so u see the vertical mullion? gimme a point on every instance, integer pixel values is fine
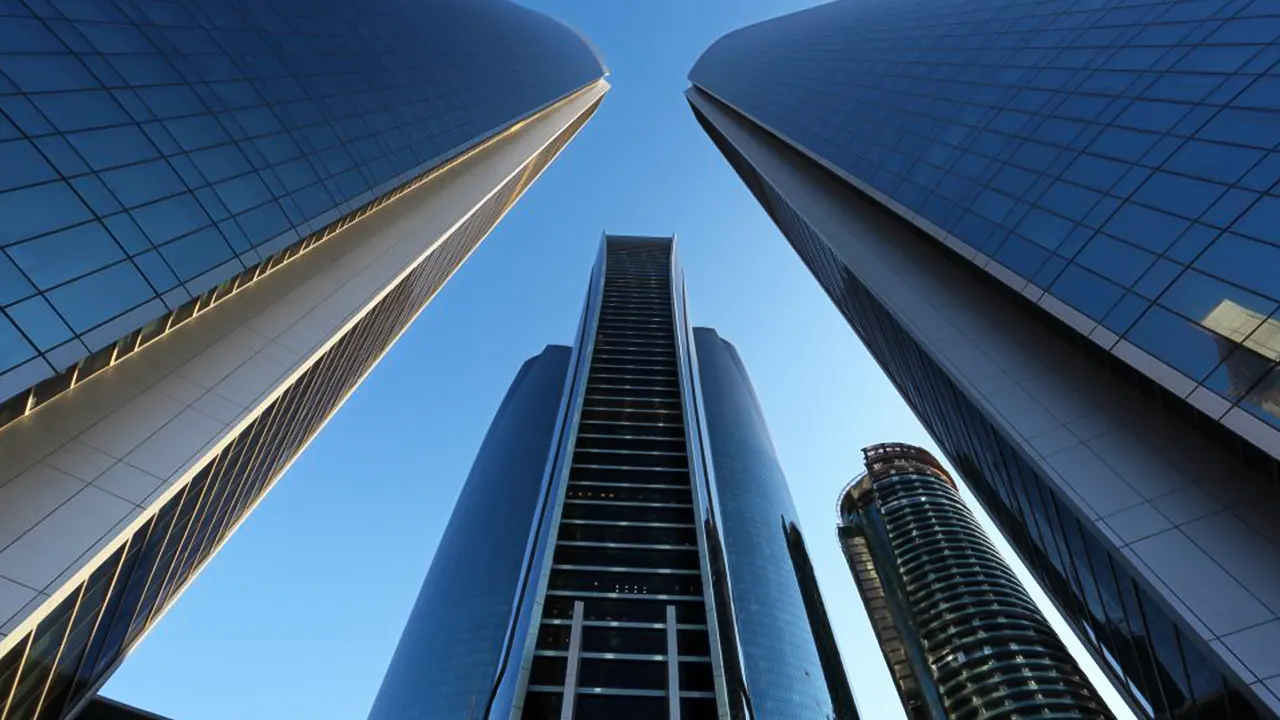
(571, 667)
(673, 666)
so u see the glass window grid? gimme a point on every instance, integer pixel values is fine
(180, 538)
(932, 107)
(28, 400)
(1150, 655)
(225, 85)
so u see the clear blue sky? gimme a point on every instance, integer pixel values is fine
(298, 615)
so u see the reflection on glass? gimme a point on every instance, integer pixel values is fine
(1249, 343)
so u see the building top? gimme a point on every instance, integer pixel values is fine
(153, 152)
(883, 460)
(1114, 163)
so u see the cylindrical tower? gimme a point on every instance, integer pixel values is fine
(962, 638)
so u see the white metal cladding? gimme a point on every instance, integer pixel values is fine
(83, 473)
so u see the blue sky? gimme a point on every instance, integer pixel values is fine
(298, 615)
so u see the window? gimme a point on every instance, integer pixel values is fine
(1115, 260)
(1190, 349)
(1085, 291)
(100, 296)
(1261, 220)
(1214, 161)
(197, 253)
(1244, 262)
(21, 164)
(112, 147)
(140, 184)
(1144, 227)
(46, 73)
(41, 324)
(1178, 195)
(1256, 128)
(73, 111)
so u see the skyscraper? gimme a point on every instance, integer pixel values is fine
(625, 545)
(217, 217)
(1053, 225)
(960, 635)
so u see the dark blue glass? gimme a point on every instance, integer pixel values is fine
(447, 661)
(782, 635)
(1156, 123)
(240, 124)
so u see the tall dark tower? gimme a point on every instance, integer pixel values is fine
(627, 547)
(648, 563)
(961, 637)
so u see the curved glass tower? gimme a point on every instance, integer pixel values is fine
(961, 637)
(217, 217)
(780, 624)
(466, 600)
(648, 564)
(1053, 225)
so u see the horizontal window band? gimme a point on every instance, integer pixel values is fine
(628, 523)
(594, 388)
(634, 424)
(629, 657)
(614, 376)
(656, 453)
(664, 438)
(644, 486)
(628, 570)
(626, 503)
(627, 546)
(590, 397)
(636, 411)
(624, 624)
(630, 467)
(632, 362)
(623, 596)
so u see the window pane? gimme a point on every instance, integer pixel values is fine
(57, 258)
(100, 296)
(36, 210)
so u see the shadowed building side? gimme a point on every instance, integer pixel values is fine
(469, 597)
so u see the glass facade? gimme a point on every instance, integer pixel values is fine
(1166, 671)
(152, 152)
(1120, 155)
(624, 620)
(621, 607)
(472, 583)
(781, 650)
(51, 670)
(960, 635)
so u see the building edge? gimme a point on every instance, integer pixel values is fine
(153, 385)
(720, 120)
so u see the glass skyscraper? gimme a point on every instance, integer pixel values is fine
(1055, 226)
(961, 637)
(215, 217)
(625, 545)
